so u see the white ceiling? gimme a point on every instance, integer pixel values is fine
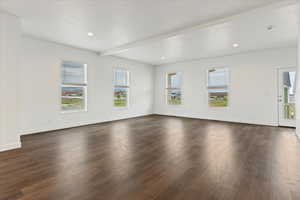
(143, 27)
(250, 31)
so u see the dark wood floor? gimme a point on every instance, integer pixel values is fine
(155, 157)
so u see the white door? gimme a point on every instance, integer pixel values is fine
(286, 96)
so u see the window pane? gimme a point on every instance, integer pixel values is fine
(121, 78)
(218, 77)
(174, 80)
(73, 73)
(73, 91)
(73, 98)
(174, 97)
(218, 97)
(120, 97)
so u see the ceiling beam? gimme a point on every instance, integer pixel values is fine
(184, 30)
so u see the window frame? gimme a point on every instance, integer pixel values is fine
(82, 85)
(216, 87)
(167, 88)
(128, 87)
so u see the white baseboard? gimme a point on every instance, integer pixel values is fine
(61, 125)
(298, 128)
(7, 147)
(221, 120)
(298, 133)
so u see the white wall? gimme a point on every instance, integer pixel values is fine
(298, 82)
(10, 37)
(253, 87)
(40, 87)
(253, 91)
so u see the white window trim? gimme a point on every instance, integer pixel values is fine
(167, 89)
(228, 88)
(84, 85)
(128, 89)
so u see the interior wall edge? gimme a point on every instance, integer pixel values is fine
(10, 42)
(298, 80)
(11, 146)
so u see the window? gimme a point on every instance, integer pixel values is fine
(174, 88)
(121, 88)
(217, 85)
(74, 86)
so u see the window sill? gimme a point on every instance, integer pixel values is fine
(219, 108)
(121, 108)
(73, 111)
(174, 105)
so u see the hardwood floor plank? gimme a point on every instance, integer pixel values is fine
(155, 158)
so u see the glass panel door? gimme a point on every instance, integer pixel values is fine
(286, 98)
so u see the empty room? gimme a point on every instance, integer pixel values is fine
(149, 100)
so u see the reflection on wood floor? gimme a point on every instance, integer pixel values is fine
(155, 158)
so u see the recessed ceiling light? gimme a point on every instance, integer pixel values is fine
(270, 28)
(235, 45)
(162, 58)
(90, 34)
(123, 50)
